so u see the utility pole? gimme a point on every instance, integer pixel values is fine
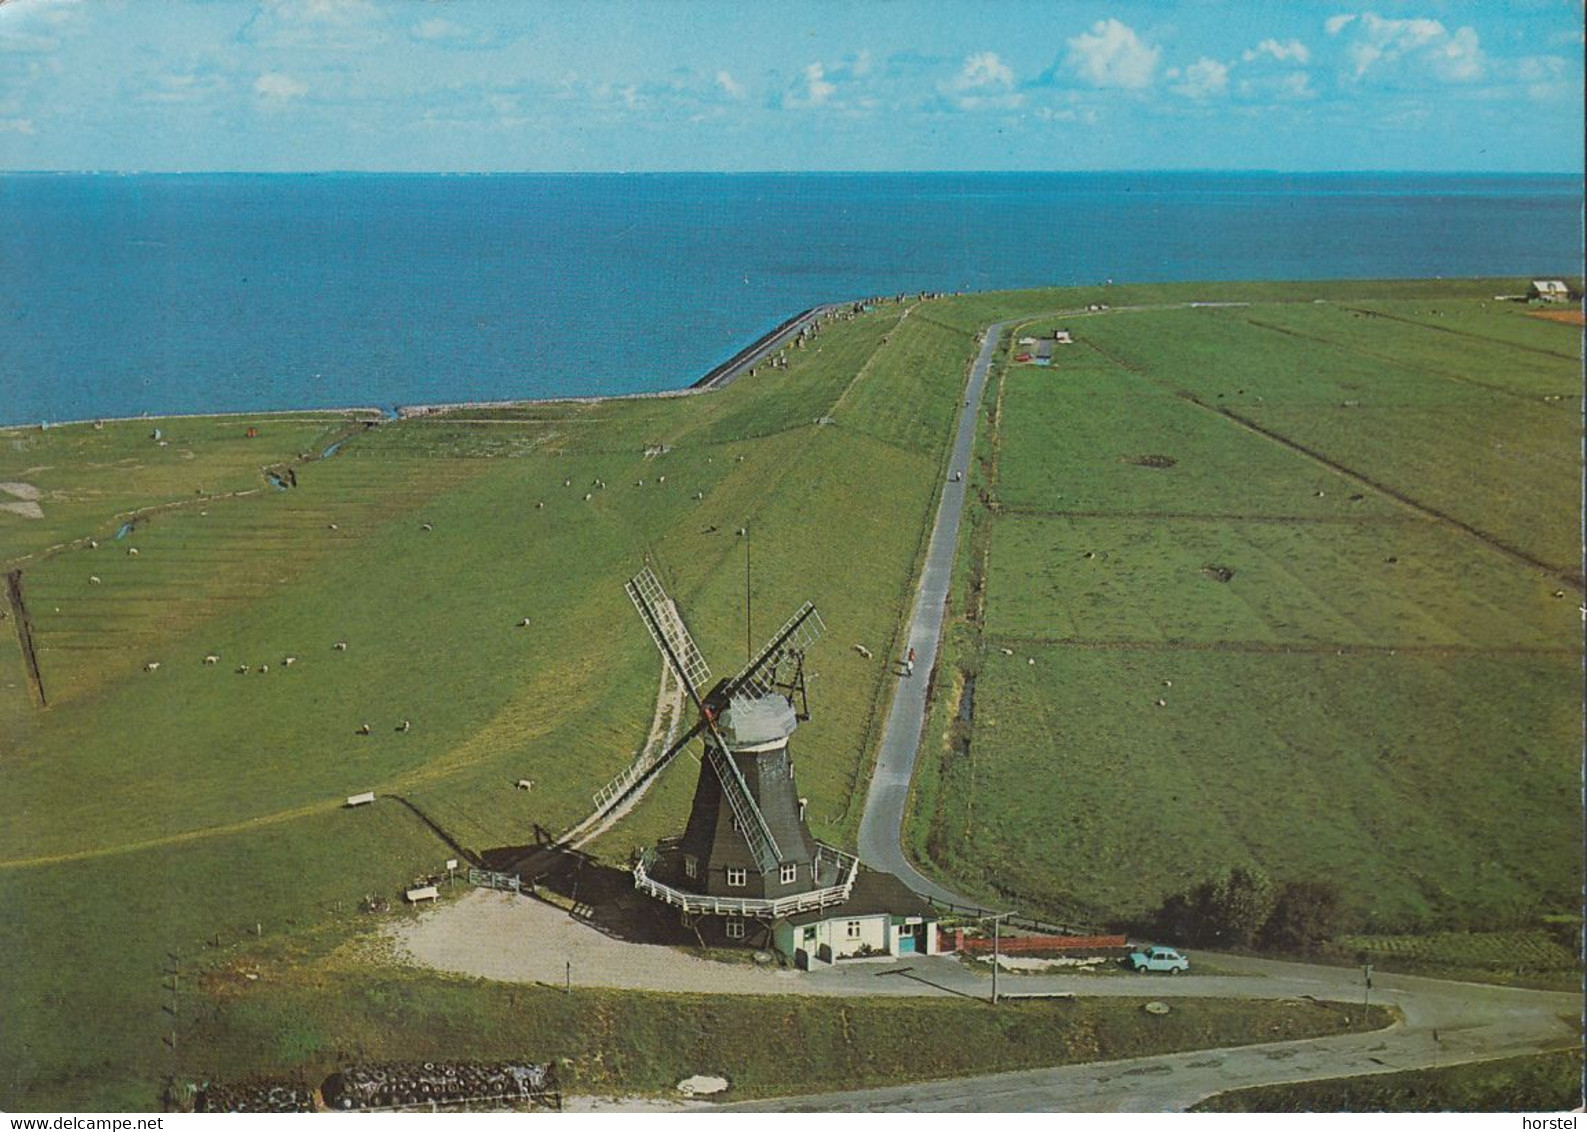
(997, 919)
(749, 637)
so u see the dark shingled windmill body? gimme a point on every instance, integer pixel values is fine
(746, 853)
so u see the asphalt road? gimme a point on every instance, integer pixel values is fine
(883, 820)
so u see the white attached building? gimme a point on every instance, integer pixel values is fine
(880, 917)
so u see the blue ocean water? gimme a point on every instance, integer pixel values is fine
(128, 294)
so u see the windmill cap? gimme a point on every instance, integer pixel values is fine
(757, 721)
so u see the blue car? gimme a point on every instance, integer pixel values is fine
(1148, 959)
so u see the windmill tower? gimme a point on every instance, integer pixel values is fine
(745, 853)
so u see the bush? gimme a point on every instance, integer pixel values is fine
(1241, 908)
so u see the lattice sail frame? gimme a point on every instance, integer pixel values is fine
(645, 591)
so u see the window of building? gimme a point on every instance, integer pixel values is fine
(691, 866)
(810, 934)
(854, 929)
(736, 878)
(790, 873)
(735, 928)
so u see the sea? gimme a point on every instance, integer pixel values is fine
(130, 294)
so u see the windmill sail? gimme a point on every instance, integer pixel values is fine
(760, 676)
(661, 617)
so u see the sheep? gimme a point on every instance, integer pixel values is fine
(587, 497)
(93, 544)
(524, 623)
(741, 532)
(1162, 703)
(540, 505)
(1168, 683)
(699, 495)
(1322, 495)
(332, 527)
(243, 669)
(1006, 652)
(263, 669)
(132, 552)
(288, 661)
(426, 527)
(152, 666)
(212, 658)
(363, 729)
(567, 483)
(526, 784)
(339, 646)
(404, 726)
(93, 579)
(863, 651)
(1559, 593)
(641, 483)
(1030, 660)
(661, 479)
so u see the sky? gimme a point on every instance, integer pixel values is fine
(750, 85)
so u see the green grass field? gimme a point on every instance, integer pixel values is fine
(1548, 1082)
(148, 810)
(1339, 542)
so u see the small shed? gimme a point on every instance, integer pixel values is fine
(1549, 291)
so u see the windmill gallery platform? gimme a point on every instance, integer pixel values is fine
(746, 870)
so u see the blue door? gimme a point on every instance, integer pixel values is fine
(906, 939)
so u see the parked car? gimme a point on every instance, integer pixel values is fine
(1147, 959)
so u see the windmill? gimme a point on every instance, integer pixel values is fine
(745, 852)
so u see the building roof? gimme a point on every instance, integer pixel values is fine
(874, 894)
(1549, 285)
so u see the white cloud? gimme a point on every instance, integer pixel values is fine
(1294, 50)
(315, 24)
(277, 87)
(982, 71)
(1202, 79)
(1336, 24)
(729, 85)
(1379, 47)
(16, 125)
(984, 82)
(1111, 55)
(811, 89)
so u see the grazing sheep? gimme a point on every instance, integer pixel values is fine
(340, 646)
(212, 658)
(540, 505)
(152, 666)
(661, 479)
(132, 552)
(641, 483)
(93, 579)
(1030, 660)
(1089, 554)
(332, 527)
(863, 651)
(526, 784)
(363, 729)
(93, 544)
(1168, 683)
(1162, 703)
(263, 668)
(1322, 494)
(524, 624)
(586, 497)
(567, 483)
(243, 669)
(404, 726)
(1006, 652)
(699, 495)
(288, 661)
(426, 527)
(1559, 593)
(741, 532)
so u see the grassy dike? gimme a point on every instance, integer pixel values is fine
(181, 820)
(1550, 1082)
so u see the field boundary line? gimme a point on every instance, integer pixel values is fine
(1016, 512)
(1573, 579)
(1276, 647)
(1463, 334)
(175, 838)
(1343, 347)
